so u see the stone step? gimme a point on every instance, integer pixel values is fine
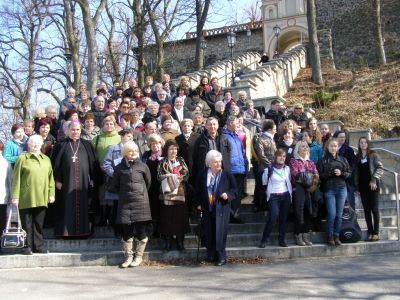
(233, 240)
(112, 258)
(384, 212)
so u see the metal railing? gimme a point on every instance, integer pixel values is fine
(396, 185)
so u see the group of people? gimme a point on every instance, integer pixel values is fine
(145, 160)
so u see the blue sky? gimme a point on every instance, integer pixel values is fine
(222, 12)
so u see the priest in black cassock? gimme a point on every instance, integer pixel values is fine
(74, 163)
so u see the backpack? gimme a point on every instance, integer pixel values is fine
(350, 231)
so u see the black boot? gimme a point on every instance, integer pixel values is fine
(168, 245)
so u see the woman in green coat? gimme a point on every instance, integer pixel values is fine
(32, 189)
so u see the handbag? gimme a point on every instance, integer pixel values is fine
(13, 237)
(170, 184)
(306, 178)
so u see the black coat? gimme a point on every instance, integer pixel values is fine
(131, 182)
(226, 184)
(186, 114)
(186, 148)
(326, 166)
(201, 149)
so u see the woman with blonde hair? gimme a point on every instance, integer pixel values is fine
(131, 181)
(300, 167)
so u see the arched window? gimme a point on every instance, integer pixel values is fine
(271, 13)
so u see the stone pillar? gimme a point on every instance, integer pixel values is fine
(325, 49)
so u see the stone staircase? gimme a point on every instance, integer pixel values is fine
(104, 249)
(263, 84)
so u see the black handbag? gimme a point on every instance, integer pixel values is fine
(306, 178)
(13, 236)
(350, 231)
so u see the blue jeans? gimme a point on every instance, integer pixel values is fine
(334, 201)
(278, 206)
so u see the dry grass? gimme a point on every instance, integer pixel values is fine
(368, 98)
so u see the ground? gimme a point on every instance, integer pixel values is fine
(366, 98)
(363, 277)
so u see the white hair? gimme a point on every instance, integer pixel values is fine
(240, 93)
(212, 156)
(35, 139)
(297, 147)
(129, 146)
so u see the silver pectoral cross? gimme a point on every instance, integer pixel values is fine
(74, 158)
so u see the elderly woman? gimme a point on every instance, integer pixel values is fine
(276, 178)
(220, 113)
(152, 159)
(367, 175)
(111, 160)
(74, 171)
(152, 113)
(32, 189)
(131, 180)
(174, 218)
(303, 205)
(5, 187)
(15, 146)
(251, 114)
(216, 189)
(108, 137)
(333, 170)
(242, 100)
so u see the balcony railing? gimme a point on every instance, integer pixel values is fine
(226, 29)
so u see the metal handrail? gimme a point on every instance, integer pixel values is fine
(248, 121)
(396, 184)
(385, 150)
(227, 61)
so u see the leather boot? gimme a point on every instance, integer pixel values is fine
(128, 253)
(168, 245)
(306, 239)
(337, 241)
(140, 246)
(299, 239)
(330, 241)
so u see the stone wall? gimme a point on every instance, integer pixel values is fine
(352, 25)
(179, 55)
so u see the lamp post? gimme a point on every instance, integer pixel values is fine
(203, 46)
(248, 34)
(231, 36)
(277, 31)
(101, 61)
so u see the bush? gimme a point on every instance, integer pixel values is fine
(323, 98)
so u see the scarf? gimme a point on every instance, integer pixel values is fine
(155, 156)
(212, 184)
(288, 142)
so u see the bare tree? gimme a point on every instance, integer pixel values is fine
(313, 48)
(90, 24)
(22, 25)
(379, 43)
(164, 17)
(252, 13)
(201, 17)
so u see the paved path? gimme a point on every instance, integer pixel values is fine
(365, 277)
